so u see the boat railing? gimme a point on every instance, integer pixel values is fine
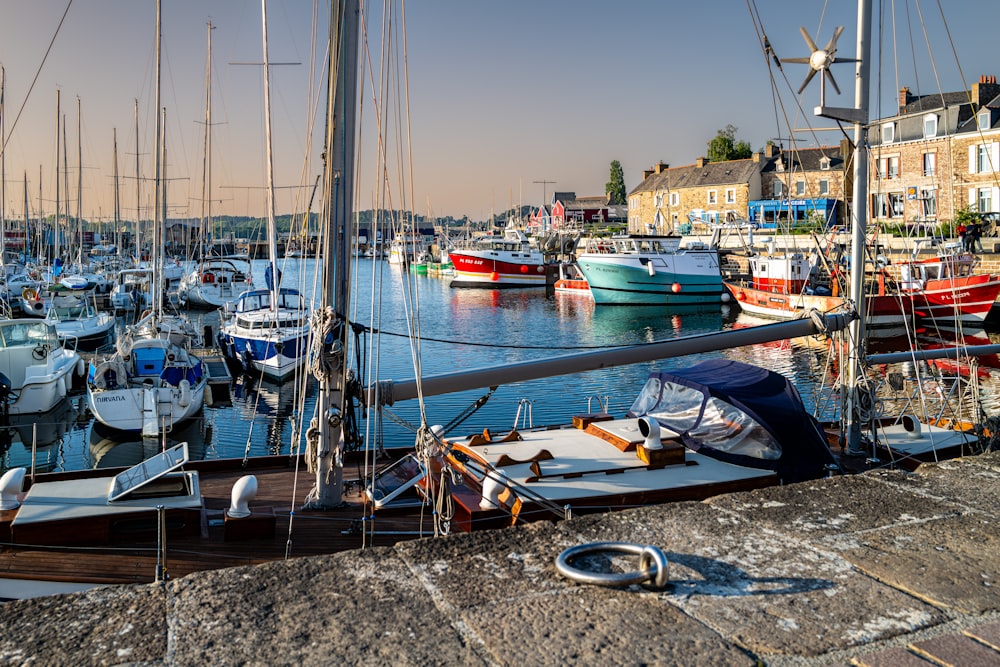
(523, 418)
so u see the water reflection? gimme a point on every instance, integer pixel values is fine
(109, 448)
(269, 408)
(44, 432)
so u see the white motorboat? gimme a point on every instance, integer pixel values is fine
(36, 372)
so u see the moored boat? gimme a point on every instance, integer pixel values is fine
(651, 270)
(498, 261)
(36, 372)
(571, 280)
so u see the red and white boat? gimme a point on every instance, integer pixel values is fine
(571, 280)
(782, 286)
(947, 290)
(944, 290)
(498, 261)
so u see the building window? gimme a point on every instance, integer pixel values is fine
(730, 195)
(888, 205)
(779, 188)
(984, 200)
(888, 167)
(983, 159)
(659, 200)
(930, 126)
(888, 133)
(713, 197)
(800, 188)
(928, 201)
(824, 164)
(984, 120)
(930, 161)
(675, 199)
(824, 186)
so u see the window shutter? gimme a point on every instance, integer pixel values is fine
(972, 159)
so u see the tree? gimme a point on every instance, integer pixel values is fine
(725, 147)
(615, 188)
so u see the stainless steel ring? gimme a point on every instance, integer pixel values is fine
(653, 565)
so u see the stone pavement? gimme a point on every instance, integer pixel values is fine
(884, 568)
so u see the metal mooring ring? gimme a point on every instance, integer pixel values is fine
(653, 565)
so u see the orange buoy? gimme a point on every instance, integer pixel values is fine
(494, 276)
(676, 288)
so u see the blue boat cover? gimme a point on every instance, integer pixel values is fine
(740, 414)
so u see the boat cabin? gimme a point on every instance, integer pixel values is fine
(99, 510)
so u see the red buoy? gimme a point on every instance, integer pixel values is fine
(676, 288)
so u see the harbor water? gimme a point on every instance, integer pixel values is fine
(457, 329)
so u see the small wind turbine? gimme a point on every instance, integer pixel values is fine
(820, 61)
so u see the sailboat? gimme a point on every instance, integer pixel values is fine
(152, 381)
(215, 282)
(267, 331)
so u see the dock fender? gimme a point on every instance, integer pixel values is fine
(184, 399)
(81, 368)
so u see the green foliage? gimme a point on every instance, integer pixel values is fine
(965, 216)
(615, 187)
(725, 147)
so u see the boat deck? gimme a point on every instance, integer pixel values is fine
(215, 543)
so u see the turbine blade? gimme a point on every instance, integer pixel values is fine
(804, 61)
(829, 77)
(809, 40)
(832, 46)
(805, 83)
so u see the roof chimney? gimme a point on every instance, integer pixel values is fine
(700, 162)
(984, 91)
(661, 166)
(646, 173)
(904, 98)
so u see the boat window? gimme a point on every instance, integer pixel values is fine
(726, 428)
(932, 272)
(291, 301)
(710, 421)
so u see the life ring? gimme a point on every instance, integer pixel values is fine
(208, 278)
(109, 375)
(29, 294)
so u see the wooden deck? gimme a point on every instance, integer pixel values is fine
(265, 536)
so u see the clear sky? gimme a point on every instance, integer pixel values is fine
(501, 94)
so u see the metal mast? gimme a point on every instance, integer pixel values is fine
(338, 190)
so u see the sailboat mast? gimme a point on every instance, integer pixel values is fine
(859, 219)
(138, 189)
(117, 202)
(158, 221)
(272, 231)
(338, 190)
(79, 181)
(55, 243)
(65, 158)
(206, 182)
(27, 219)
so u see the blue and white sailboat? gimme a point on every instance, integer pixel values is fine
(268, 330)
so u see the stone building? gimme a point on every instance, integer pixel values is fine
(803, 185)
(693, 197)
(938, 154)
